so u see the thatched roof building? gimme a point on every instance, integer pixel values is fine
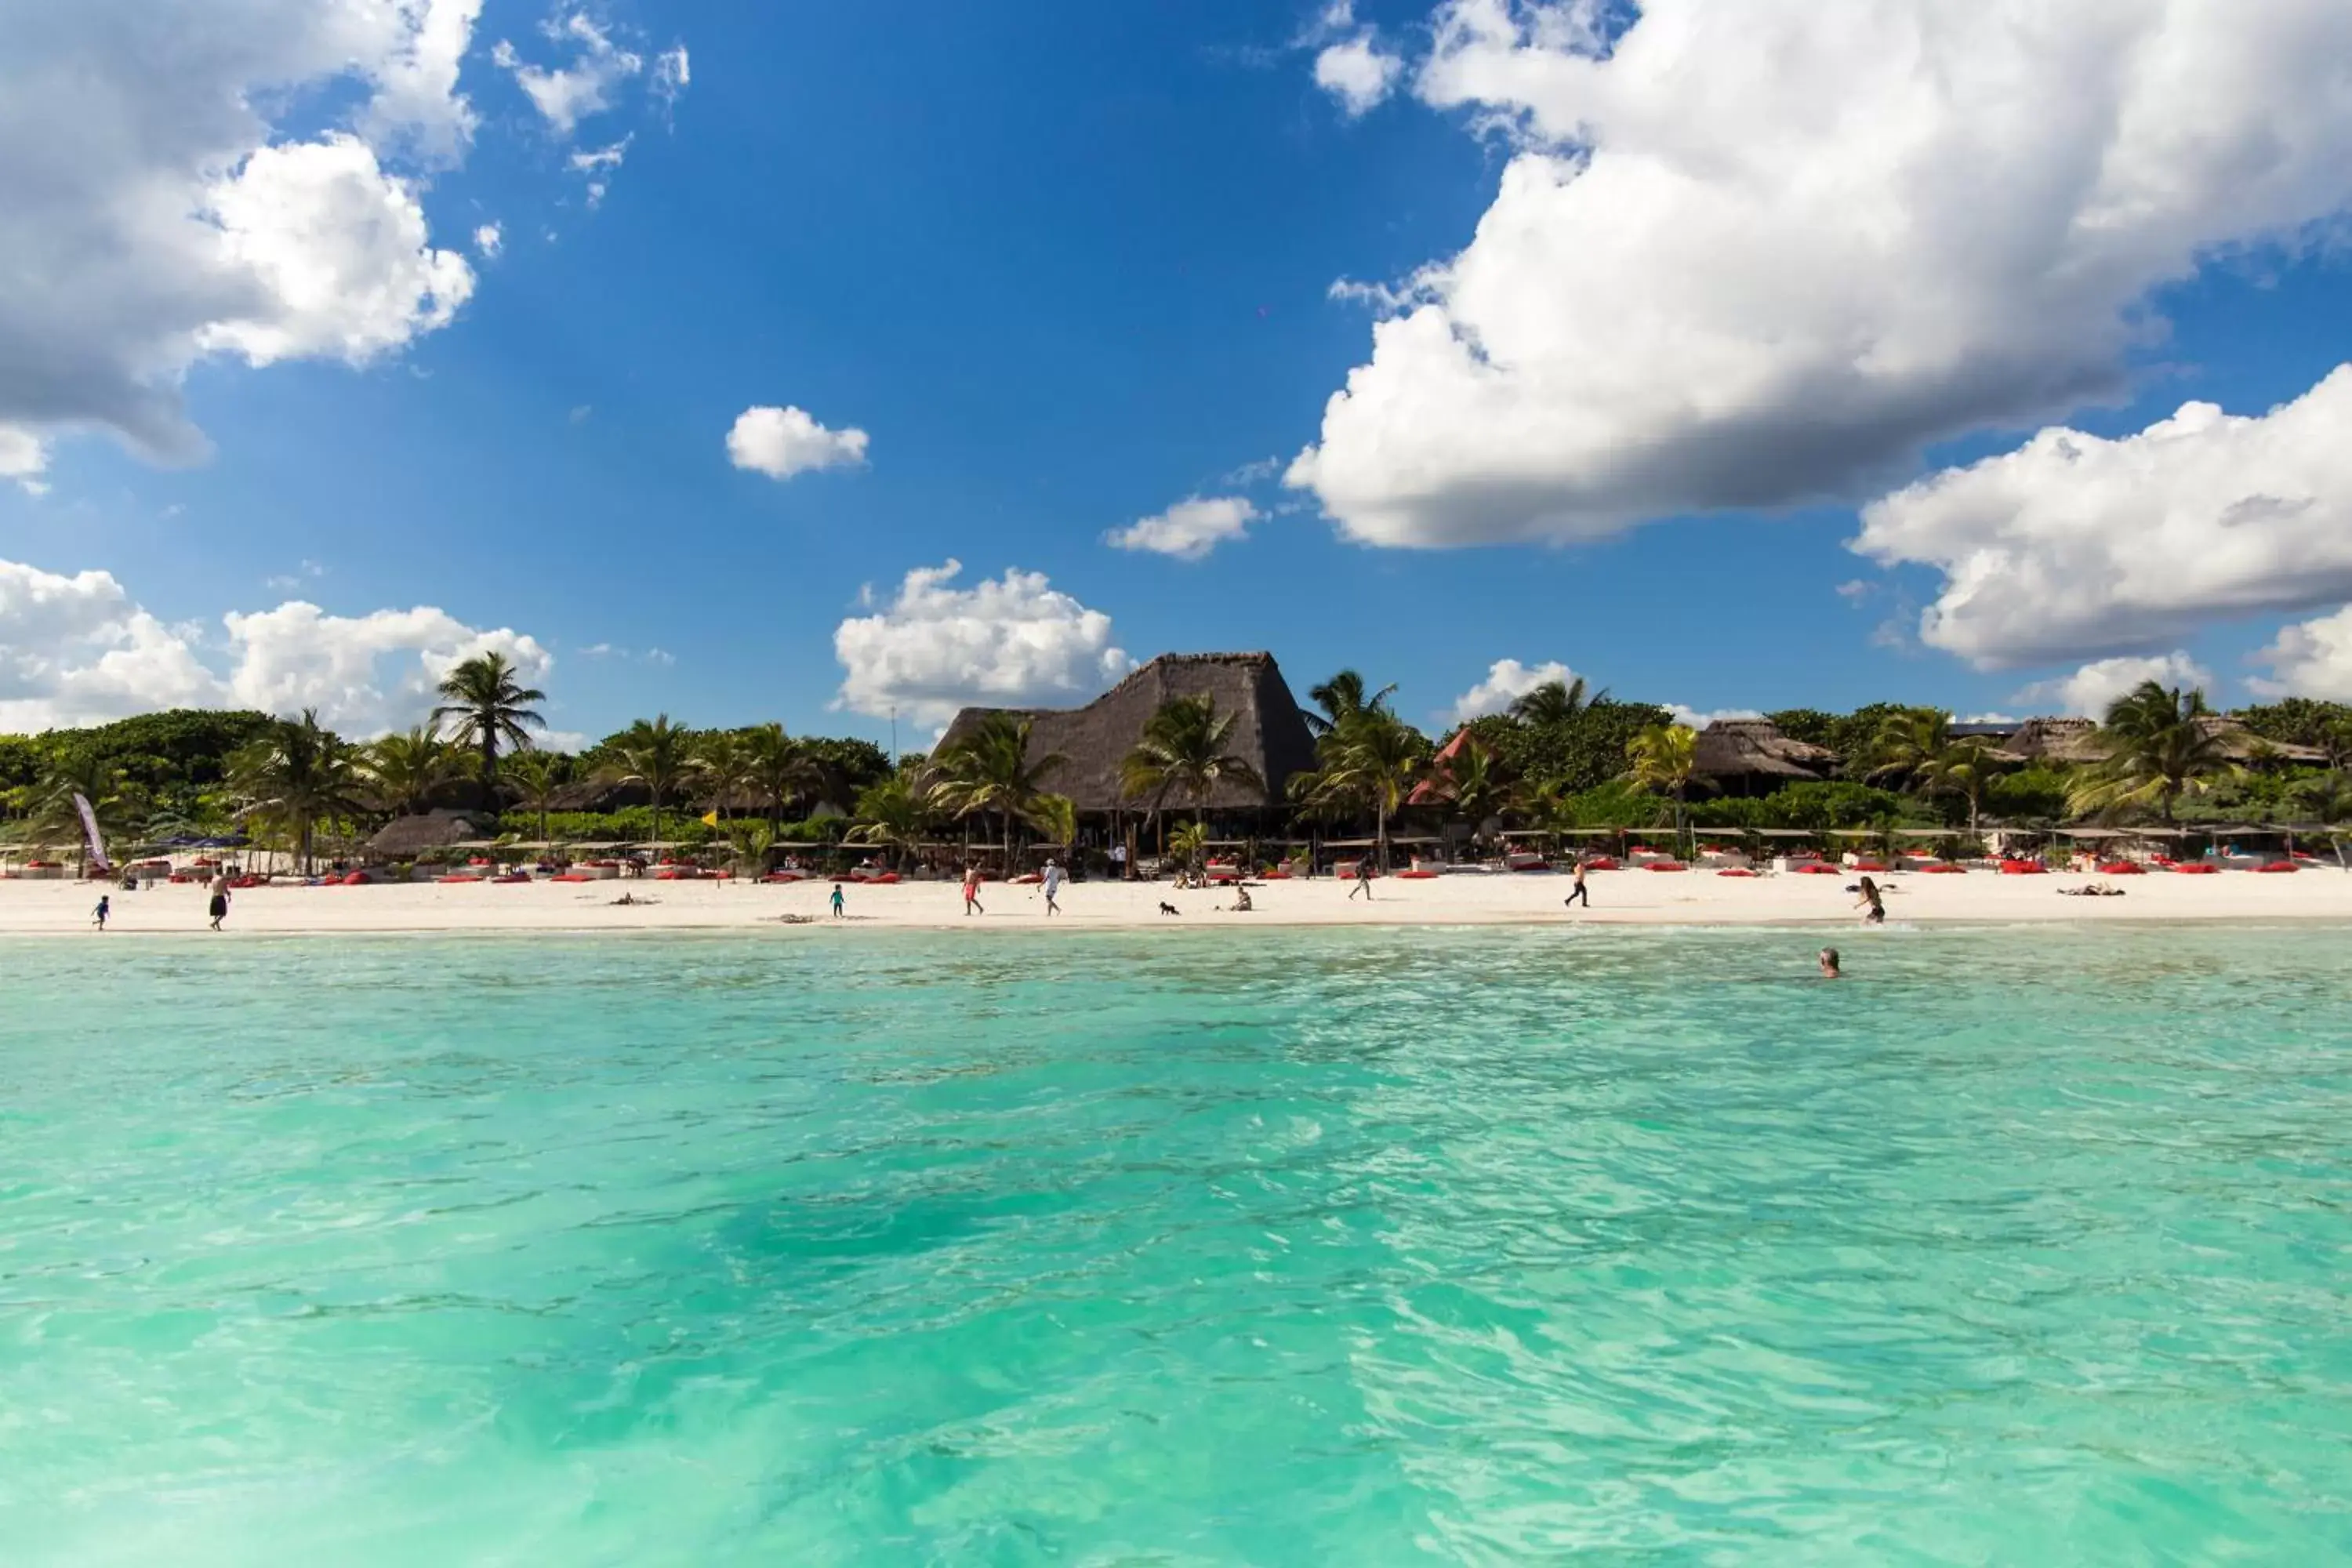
(1269, 734)
(2077, 741)
(1754, 748)
(405, 837)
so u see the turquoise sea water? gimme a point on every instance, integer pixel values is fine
(1279, 1247)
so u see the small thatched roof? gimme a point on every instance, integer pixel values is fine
(404, 836)
(2242, 746)
(1269, 734)
(1742, 748)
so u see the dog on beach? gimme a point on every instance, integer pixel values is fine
(1165, 909)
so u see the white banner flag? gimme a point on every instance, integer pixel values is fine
(98, 861)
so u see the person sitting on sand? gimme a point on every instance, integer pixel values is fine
(1829, 962)
(1242, 904)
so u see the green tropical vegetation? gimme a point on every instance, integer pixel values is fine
(989, 773)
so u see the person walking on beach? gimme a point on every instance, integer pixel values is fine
(972, 889)
(105, 908)
(220, 903)
(837, 901)
(1052, 888)
(1871, 901)
(1363, 880)
(1579, 893)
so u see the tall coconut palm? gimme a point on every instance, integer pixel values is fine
(1371, 762)
(1915, 745)
(296, 775)
(721, 769)
(783, 771)
(656, 754)
(404, 768)
(1555, 702)
(1185, 751)
(892, 814)
(489, 707)
(1663, 758)
(2156, 750)
(989, 771)
(536, 776)
(1342, 698)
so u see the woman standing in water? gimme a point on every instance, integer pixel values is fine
(1874, 901)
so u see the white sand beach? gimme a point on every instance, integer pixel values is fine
(1629, 898)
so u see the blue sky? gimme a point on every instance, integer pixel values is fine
(1064, 273)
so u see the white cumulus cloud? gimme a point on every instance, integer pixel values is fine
(1507, 681)
(1188, 530)
(1753, 252)
(2313, 658)
(77, 649)
(2074, 544)
(1013, 641)
(1359, 73)
(152, 211)
(2087, 692)
(782, 442)
(489, 240)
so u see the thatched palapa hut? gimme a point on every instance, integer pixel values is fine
(2077, 741)
(406, 837)
(1269, 734)
(1741, 756)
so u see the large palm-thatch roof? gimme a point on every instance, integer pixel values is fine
(404, 838)
(1753, 748)
(2078, 740)
(1268, 733)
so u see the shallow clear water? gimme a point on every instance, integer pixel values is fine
(2020, 1246)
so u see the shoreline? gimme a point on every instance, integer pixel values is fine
(1622, 900)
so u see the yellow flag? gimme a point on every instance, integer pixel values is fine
(711, 819)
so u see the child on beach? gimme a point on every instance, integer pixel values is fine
(837, 901)
(105, 907)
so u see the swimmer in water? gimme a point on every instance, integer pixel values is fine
(1829, 960)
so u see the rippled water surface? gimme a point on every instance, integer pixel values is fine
(2019, 1246)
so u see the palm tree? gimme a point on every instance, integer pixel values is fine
(296, 775)
(1917, 745)
(538, 775)
(783, 771)
(1555, 702)
(1663, 757)
(1472, 780)
(1056, 817)
(721, 767)
(403, 770)
(892, 814)
(1374, 759)
(2156, 751)
(1188, 843)
(655, 754)
(56, 819)
(1342, 698)
(989, 770)
(490, 708)
(1184, 751)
